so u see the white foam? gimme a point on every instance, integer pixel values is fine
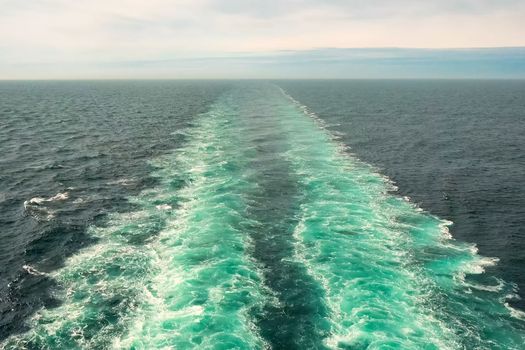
(164, 207)
(478, 265)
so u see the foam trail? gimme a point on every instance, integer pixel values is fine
(206, 286)
(392, 275)
(101, 288)
(173, 274)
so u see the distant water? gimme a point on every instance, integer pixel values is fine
(142, 215)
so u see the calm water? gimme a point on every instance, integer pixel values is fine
(142, 215)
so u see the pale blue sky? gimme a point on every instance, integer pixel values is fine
(66, 39)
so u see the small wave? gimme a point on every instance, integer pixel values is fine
(444, 227)
(182, 132)
(32, 271)
(35, 201)
(123, 182)
(37, 207)
(59, 197)
(487, 288)
(518, 314)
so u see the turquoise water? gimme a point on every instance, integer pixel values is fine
(264, 231)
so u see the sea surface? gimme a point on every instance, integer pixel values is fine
(262, 215)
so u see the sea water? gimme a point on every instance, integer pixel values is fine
(255, 227)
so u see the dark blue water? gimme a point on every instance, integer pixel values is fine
(198, 214)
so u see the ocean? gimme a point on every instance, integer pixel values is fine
(262, 214)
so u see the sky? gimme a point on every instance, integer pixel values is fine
(119, 39)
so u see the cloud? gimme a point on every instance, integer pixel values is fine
(319, 63)
(82, 32)
(359, 9)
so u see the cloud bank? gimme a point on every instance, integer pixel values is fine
(195, 38)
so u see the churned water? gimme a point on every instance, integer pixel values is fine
(225, 215)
